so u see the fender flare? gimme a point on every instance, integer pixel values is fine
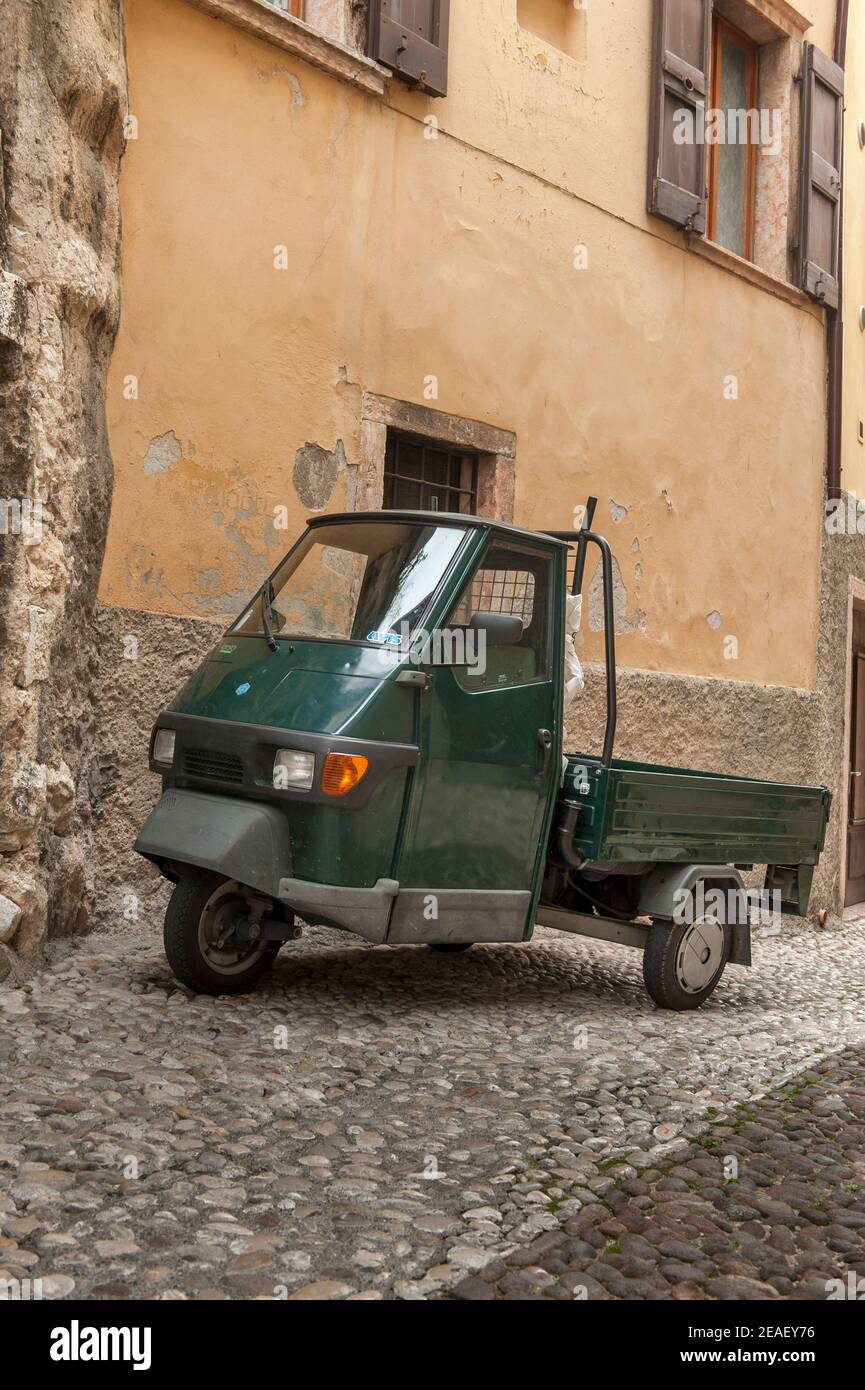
(664, 883)
(244, 840)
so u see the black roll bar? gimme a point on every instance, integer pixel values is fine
(583, 538)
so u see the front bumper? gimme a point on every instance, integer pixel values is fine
(364, 911)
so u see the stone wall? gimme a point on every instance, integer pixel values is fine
(62, 103)
(144, 659)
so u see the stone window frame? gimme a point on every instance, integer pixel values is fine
(342, 20)
(316, 43)
(496, 448)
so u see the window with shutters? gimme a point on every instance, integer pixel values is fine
(737, 99)
(822, 150)
(411, 38)
(677, 164)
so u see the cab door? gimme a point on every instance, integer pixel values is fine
(490, 740)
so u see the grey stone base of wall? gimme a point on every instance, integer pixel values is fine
(144, 659)
(722, 726)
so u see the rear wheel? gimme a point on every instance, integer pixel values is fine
(201, 937)
(684, 961)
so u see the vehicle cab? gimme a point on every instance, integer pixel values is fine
(375, 744)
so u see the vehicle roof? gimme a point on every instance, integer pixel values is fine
(438, 519)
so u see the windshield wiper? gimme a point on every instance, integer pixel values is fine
(266, 601)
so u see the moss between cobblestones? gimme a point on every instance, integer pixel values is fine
(783, 1227)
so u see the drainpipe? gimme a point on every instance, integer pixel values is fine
(835, 330)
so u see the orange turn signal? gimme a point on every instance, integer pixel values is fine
(342, 772)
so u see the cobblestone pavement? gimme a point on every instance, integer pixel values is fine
(790, 1223)
(379, 1123)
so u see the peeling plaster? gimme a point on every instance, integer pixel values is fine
(625, 621)
(714, 619)
(162, 452)
(617, 512)
(316, 472)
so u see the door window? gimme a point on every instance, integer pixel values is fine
(512, 582)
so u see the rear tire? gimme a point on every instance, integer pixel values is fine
(198, 938)
(683, 961)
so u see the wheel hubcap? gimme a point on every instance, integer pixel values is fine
(700, 954)
(217, 931)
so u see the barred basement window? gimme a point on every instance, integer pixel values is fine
(424, 476)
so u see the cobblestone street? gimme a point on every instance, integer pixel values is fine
(396, 1123)
(790, 1224)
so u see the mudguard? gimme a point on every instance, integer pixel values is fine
(244, 840)
(659, 896)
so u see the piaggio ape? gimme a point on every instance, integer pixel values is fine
(376, 745)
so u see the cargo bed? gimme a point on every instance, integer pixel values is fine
(633, 811)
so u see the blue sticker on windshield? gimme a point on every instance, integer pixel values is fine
(391, 639)
(242, 689)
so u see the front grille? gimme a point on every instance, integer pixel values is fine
(219, 767)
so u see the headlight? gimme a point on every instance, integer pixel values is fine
(293, 770)
(163, 746)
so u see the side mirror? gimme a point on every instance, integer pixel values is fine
(501, 629)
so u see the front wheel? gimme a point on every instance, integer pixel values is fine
(201, 941)
(683, 962)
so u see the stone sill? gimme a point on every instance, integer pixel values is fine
(746, 270)
(258, 18)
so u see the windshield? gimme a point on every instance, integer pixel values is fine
(359, 581)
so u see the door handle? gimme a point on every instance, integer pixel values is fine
(545, 745)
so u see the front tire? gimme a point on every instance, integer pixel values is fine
(683, 961)
(200, 943)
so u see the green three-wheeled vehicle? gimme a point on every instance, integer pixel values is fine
(376, 745)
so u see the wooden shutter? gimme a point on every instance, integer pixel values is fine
(820, 187)
(680, 64)
(411, 37)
